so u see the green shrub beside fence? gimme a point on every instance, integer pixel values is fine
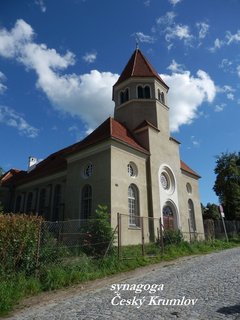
(18, 243)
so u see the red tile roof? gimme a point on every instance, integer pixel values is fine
(138, 66)
(186, 168)
(56, 162)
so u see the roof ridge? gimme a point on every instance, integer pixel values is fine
(134, 62)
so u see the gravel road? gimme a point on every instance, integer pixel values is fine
(194, 288)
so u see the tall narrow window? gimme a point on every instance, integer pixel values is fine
(162, 98)
(121, 97)
(56, 202)
(140, 92)
(86, 202)
(133, 209)
(168, 217)
(159, 95)
(147, 92)
(18, 204)
(124, 96)
(42, 202)
(192, 222)
(29, 202)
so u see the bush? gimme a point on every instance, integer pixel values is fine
(18, 243)
(97, 233)
(172, 237)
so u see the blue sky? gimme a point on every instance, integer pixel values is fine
(60, 58)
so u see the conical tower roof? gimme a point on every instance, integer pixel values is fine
(139, 66)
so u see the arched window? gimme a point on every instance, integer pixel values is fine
(147, 92)
(140, 92)
(168, 217)
(192, 222)
(133, 207)
(159, 95)
(18, 204)
(56, 202)
(124, 96)
(29, 202)
(121, 97)
(86, 202)
(144, 92)
(42, 202)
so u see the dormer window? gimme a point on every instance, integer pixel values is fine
(143, 92)
(124, 96)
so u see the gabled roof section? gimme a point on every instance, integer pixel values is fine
(109, 129)
(56, 162)
(187, 169)
(139, 66)
(145, 124)
(10, 174)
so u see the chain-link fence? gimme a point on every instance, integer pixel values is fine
(214, 229)
(61, 242)
(133, 236)
(147, 236)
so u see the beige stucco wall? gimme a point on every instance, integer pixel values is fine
(121, 156)
(184, 196)
(99, 181)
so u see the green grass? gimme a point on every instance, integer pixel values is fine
(13, 288)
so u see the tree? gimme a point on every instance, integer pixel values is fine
(227, 184)
(211, 211)
(97, 233)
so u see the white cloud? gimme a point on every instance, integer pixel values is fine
(179, 31)
(90, 57)
(228, 39)
(186, 95)
(203, 29)
(225, 65)
(13, 41)
(41, 5)
(2, 86)
(228, 90)
(174, 2)
(176, 67)
(195, 142)
(147, 3)
(87, 96)
(141, 37)
(238, 70)
(220, 107)
(167, 19)
(172, 30)
(231, 38)
(217, 45)
(11, 118)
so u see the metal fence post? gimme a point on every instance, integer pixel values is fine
(38, 247)
(189, 229)
(119, 234)
(161, 235)
(142, 229)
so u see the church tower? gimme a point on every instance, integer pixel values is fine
(141, 95)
